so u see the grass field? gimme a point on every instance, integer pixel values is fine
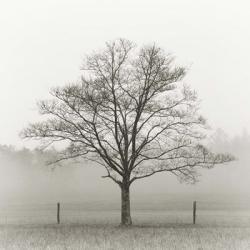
(220, 225)
(114, 237)
(151, 230)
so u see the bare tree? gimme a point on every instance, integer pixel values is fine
(131, 114)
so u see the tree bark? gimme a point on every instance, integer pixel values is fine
(125, 206)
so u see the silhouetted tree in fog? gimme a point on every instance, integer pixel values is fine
(130, 114)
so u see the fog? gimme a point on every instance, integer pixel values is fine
(27, 178)
(42, 45)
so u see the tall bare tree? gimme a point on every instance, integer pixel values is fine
(131, 114)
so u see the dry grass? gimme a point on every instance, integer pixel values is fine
(153, 229)
(168, 236)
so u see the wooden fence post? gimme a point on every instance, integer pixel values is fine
(58, 213)
(194, 212)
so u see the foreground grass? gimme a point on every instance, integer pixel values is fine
(93, 237)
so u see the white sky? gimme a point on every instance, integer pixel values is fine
(42, 44)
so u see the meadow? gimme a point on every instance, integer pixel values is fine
(115, 237)
(162, 225)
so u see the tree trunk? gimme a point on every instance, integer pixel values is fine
(125, 206)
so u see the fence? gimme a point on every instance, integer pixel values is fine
(174, 213)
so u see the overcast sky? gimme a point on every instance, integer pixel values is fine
(42, 44)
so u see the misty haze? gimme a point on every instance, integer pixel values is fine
(124, 125)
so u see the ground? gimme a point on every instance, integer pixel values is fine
(114, 237)
(220, 225)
